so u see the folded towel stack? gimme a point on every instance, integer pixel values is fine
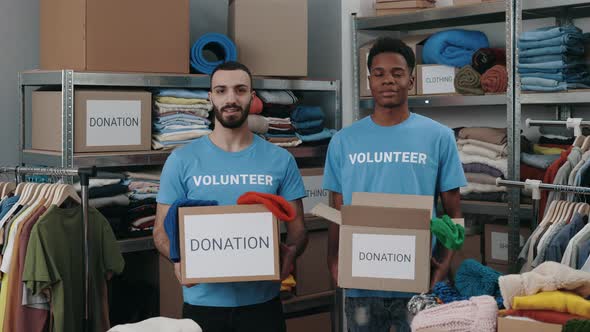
(552, 59)
(484, 154)
(274, 122)
(143, 189)
(179, 117)
(309, 125)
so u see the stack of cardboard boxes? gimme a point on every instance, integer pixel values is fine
(392, 7)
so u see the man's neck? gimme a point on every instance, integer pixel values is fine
(231, 140)
(390, 116)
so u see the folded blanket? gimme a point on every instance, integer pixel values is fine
(486, 197)
(538, 160)
(157, 145)
(308, 124)
(182, 93)
(501, 149)
(201, 111)
(280, 131)
(486, 58)
(495, 79)
(257, 124)
(559, 301)
(477, 150)
(310, 131)
(145, 174)
(559, 141)
(280, 97)
(546, 316)
(453, 47)
(307, 113)
(119, 200)
(181, 101)
(490, 135)
(481, 168)
(481, 188)
(326, 133)
(178, 129)
(179, 136)
(291, 144)
(280, 126)
(273, 120)
(539, 149)
(481, 178)
(499, 164)
(256, 105)
(282, 139)
(108, 190)
(467, 81)
(277, 111)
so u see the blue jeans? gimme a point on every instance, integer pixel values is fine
(376, 314)
(568, 39)
(562, 86)
(569, 50)
(549, 32)
(548, 58)
(564, 70)
(562, 77)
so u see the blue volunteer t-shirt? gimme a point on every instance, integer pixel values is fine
(202, 171)
(416, 157)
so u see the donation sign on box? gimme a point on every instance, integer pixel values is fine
(228, 243)
(113, 122)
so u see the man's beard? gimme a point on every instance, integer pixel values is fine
(234, 122)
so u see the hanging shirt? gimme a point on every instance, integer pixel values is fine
(202, 171)
(416, 157)
(556, 247)
(55, 260)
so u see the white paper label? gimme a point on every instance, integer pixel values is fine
(229, 245)
(438, 79)
(384, 256)
(315, 193)
(500, 245)
(113, 122)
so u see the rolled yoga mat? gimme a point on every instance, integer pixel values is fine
(220, 45)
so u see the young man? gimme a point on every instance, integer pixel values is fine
(409, 154)
(231, 149)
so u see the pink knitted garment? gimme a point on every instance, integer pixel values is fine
(479, 314)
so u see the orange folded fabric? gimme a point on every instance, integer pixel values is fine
(545, 316)
(256, 105)
(495, 79)
(275, 204)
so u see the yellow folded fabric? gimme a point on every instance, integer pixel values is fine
(545, 150)
(181, 101)
(288, 284)
(557, 301)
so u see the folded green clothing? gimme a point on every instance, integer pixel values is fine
(448, 233)
(468, 81)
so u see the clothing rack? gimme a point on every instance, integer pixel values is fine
(84, 173)
(575, 123)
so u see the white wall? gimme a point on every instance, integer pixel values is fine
(19, 37)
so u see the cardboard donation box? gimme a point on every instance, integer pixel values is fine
(228, 244)
(435, 79)
(512, 324)
(385, 241)
(104, 120)
(313, 179)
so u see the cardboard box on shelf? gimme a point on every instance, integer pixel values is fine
(109, 35)
(235, 243)
(404, 4)
(496, 242)
(311, 271)
(435, 79)
(260, 26)
(511, 324)
(415, 42)
(384, 241)
(471, 250)
(307, 323)
(104, 120)
(313, 179)
(170, 290)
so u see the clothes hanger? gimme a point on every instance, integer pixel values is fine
(558, 211)
(569, 211)
(66, 192)
(579, 141)
(586, 144)
(19, 188)
(3, 189)
(10, 186)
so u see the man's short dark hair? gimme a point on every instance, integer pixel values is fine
(231, 65)
(392, 45)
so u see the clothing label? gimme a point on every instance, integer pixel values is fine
(113, 122)
(384, 256)
(500, 245)
(315, 193)
(438, 79)
(229, 245)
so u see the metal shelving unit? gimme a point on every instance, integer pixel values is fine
(452, 100)
(68, 81)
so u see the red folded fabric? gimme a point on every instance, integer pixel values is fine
(550, 176)
(545, 316)
(275, 204)
(485, 58)
(530, 172)
(256, 105)
(495, 79)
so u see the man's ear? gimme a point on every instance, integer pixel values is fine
(209, 95)
(412, 82)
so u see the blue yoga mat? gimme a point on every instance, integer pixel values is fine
(224, 49)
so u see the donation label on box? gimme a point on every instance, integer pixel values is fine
(384, 256)
(500, 245)
(228, 244)
(113, 122)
